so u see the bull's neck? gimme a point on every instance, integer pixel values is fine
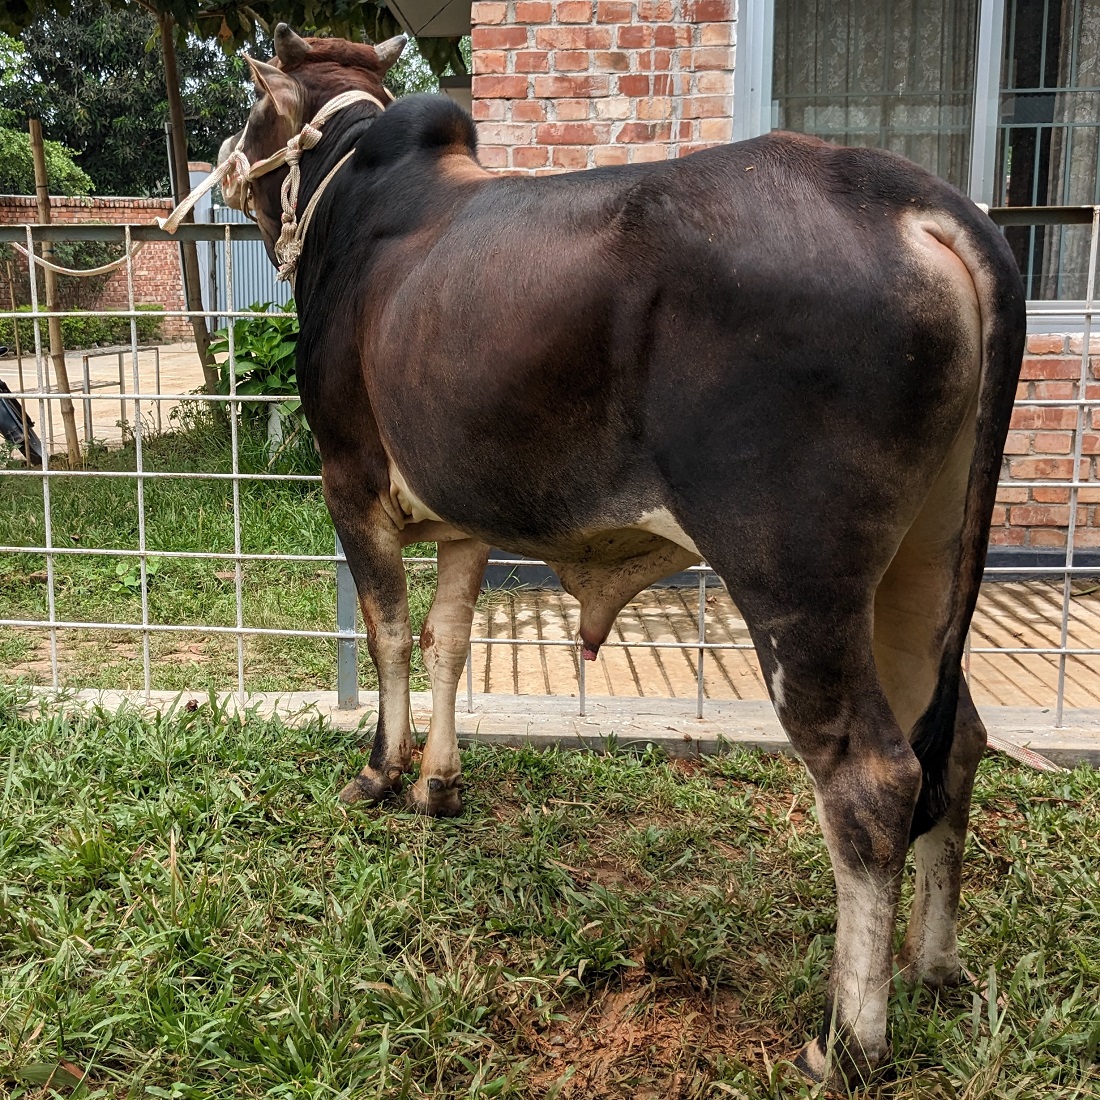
(341, 133)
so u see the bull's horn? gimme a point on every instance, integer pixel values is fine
(290, 49)
(390, 50)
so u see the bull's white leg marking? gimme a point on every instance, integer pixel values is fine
(931, 950)
(444, 641)
(860, 979)
(775, 681)
(660, 521)
(393, 648)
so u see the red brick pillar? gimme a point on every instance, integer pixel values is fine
(564, 84)
(1040, 448)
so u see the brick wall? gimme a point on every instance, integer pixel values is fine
(1040, 448)
(566, 84)
(157, 276)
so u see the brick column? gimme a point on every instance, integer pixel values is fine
(565, 84)
(1040, 448)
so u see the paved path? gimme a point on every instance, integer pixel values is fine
(180, 373)
(513, 721)
(1008, 615)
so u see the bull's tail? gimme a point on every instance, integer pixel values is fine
(1000, 295)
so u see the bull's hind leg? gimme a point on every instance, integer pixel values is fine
(911, 608)
(444, 642)
(930, 953)
(813, 635)
(372, 545)
(866, 780)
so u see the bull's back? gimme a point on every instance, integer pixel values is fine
(623, 330)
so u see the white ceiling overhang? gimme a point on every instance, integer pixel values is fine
(432, 18)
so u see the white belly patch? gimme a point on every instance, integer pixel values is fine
(402, 505)
(662, 522)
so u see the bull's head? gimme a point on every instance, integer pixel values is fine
(302, 77)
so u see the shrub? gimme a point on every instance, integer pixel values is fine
(17, 167)
(264, 347)
(83, 330)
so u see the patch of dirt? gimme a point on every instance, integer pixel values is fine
(687, 765)
(605, 873)
(644, 1041)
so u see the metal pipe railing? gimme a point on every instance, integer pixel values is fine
(346, 635)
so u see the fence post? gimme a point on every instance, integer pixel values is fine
(347, 648)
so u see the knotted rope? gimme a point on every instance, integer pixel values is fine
(237, 172)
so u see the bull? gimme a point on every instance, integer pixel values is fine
(793, 360)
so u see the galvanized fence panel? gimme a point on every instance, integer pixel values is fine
(229, 242)
(254, 281)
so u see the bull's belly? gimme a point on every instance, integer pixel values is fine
(617, 536)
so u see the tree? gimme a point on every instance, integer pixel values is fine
(93, 79)
(231, 23)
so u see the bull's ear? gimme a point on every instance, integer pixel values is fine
(283, 90)
(290, 49)
(389, 51)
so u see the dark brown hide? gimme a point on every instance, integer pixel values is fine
(792, 359)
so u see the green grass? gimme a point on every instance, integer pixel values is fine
(276, 518)
(186, 911)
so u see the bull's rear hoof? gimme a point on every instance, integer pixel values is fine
(371, 787)
(436, 797)
(933, 977)
(839, 1069)
(811, 1060)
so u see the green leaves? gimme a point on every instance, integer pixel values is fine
(263, 350)
(17, 167)
(128, 574)
(92, 78)
(264, 347)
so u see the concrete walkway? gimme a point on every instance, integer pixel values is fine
(607, 723)
(110, 407)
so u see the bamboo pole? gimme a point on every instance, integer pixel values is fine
(57, 349)
(191, 281)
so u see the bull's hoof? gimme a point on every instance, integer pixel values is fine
(841, 1068)
(436, 797)
(933, 976)
(372, 787)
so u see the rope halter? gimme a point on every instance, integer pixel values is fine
(236, 172)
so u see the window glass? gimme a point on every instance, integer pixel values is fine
(1049, 139)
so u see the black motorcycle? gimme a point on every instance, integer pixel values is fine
(11, 425)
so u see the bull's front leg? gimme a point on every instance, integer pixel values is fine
(445, 642)
(372, 544)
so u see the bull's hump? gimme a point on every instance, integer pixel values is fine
(417, 124)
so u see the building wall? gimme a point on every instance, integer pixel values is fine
(566, 84)
(1040, 447)
(157, 276)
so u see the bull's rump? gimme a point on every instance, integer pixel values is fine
(752, 322)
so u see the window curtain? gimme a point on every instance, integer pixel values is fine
(897, 74)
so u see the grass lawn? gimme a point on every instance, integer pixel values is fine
(277, 517)
(186, 911)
